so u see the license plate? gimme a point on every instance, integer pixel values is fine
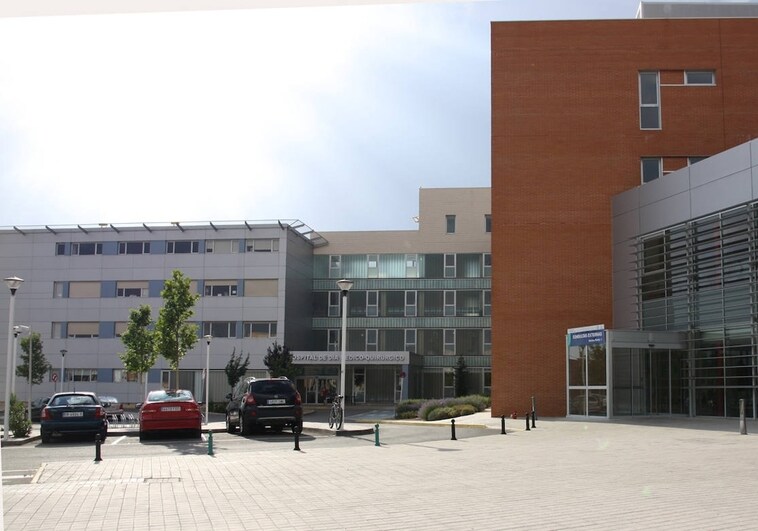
(275, 401)
(171, 408)
(73, 414)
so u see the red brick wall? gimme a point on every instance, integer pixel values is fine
(565, 139)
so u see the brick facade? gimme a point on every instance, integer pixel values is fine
(566, 137)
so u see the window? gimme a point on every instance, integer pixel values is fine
(264, 287)
(81, 375)
(86, 248)
(487, 309)
(488, 223)
(651, 168)
(220, 288)
(183, 247)
(487, 342)
(120, 328)
(57, 331)
(694, 160)
(450, 223)
(372, 303)
(335, 266)
(58, 290)
(411, 266)
(333, 340)
(372, 341)
(410, 339)
(84, 290)
(334, 304)
(449, 337)
(373, 265)
(122, 375)
(260, 329)
(449, 303)
(133, 247)
(699, 77)
(60, 249)
(222, 246)
(410, 304)
(449, 266)
(262, 245)
(220, 328)
(132, 289)
(650, 107)
(487, 265)
(84, 330)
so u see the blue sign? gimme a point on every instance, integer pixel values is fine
(590, 337)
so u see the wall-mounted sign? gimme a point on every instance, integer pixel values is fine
(588, 337)
(353, 358)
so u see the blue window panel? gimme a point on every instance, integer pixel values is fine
(201, 287)
(240, 288)
(155, 287)
(157, 246)
(242, 245)
(107, 330)
(104, 375)
(110, 248)
(107, 289)
(239, 330)
(201, 246)
(154, 376)
(65, 296)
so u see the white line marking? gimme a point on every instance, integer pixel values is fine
(119, 439)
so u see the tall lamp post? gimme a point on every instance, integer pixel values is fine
(13, 284)
(63, 367)
(17, 331)
(344, 286)
(207, 372)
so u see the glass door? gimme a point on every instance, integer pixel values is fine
(359, 385)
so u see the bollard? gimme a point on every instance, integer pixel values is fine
(533, 417)
(502, 425)
(210, 442)
(743, 424)
(527, 421)
(297, 439)
(452, 427)
(376, 435)
(98, 442)
(534, 407)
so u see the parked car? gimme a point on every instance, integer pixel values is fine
(113, 407)
(259, 403)
(166, 411)
(37, 406)
(73, 413)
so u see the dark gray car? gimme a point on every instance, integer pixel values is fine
(259, 403)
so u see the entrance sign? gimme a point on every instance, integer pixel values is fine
(590, 337)
(355, 357)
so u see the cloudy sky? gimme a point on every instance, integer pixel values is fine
(334, 115)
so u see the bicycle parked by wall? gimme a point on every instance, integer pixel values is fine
(336, 414)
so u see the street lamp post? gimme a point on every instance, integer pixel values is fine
(13, 284)
(63, 367)
(31, 356)
(207, 372)
(17, 331)
(344, 286)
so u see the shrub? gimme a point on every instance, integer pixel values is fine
(428, 406)
(408, 409)
(19, 425)
(454, 407)
(440, 413)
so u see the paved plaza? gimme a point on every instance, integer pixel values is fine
(650, 474)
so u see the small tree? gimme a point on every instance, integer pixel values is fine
(279, 362)
(18, 424)
(40, 365)
(139, 340)
(461, 374)
(236, 368)
(174, 336)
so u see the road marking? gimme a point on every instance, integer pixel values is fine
(203, 437)
(118, 440)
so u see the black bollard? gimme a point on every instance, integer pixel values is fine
(297, 439)
(502, 425)
(533, 418)
(98, 442)
(452, 427)
(527, 421)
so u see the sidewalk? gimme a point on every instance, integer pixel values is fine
(638, 474)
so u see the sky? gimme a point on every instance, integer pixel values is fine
(334, 116)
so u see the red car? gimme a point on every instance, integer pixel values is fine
(167, 411)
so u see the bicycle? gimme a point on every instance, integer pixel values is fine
(336, 414)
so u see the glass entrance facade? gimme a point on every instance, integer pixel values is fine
(650, 381)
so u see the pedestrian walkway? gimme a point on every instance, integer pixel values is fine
(635, 474)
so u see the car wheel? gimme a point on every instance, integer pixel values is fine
(245, 427)
(230, 428)
(45, 437)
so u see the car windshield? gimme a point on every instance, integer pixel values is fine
(74, 400)
(269, 387)
(169, 396)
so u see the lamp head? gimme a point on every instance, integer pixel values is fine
(208, 338)
(345, 284)
(64, 352)
(13, 283)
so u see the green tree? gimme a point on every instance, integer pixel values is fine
(139, 340)
(461, 376)
(40, 365)
(236, 368)
(279, 362)
(18, 424)
(174, 336)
